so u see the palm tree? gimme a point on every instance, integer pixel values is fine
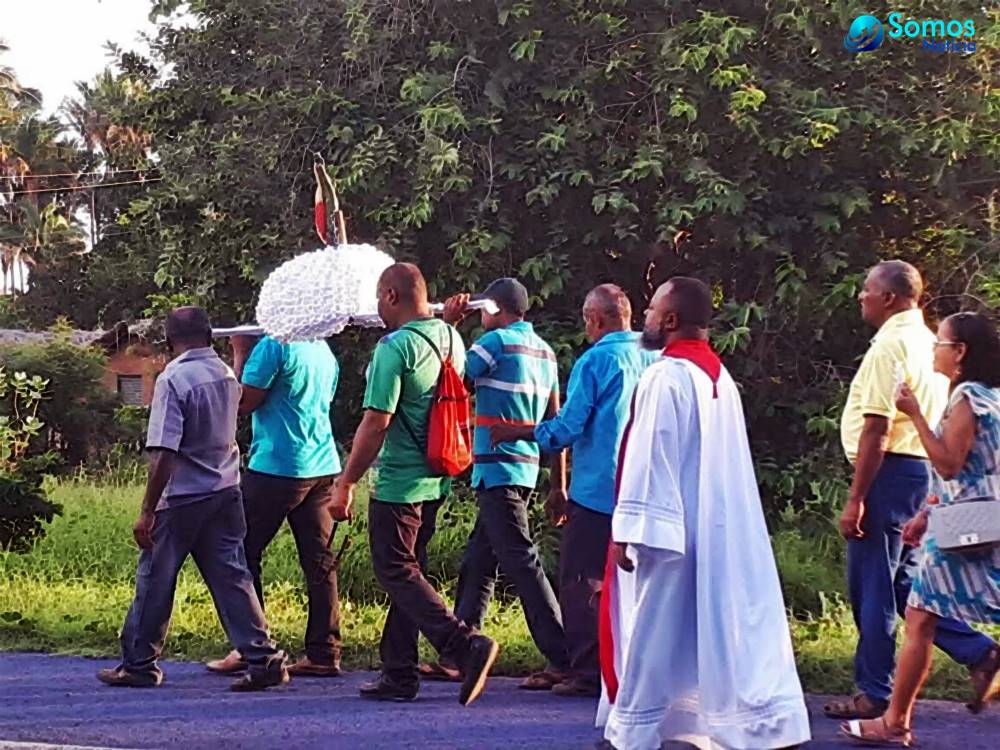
(32, 146)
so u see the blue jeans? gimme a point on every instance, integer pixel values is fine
(879, 575)
(211, 531)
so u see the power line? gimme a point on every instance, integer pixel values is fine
(81, 188)
(76, 174)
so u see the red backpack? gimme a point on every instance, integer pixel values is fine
(449, 431)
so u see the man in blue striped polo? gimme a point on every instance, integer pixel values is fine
(591, 422)
(516, 381)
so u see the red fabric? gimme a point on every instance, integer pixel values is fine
(449, 435)
(605, 632)
(701, 354)
(319, 217)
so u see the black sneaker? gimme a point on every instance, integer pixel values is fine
(254, 682)
(383, 689)
(483, 653)
(118, 677)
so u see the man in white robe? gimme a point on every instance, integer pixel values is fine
(695, 641)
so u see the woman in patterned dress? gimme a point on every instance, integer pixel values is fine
(965, 454)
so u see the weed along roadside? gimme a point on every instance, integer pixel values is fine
(66, 595)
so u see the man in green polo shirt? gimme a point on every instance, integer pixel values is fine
(293, 461)
(402, 381)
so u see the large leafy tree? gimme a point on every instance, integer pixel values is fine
(577, 141)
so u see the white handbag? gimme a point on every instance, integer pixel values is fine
(968, 526)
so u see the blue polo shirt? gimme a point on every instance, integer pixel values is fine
(515, 374)
(593, 418)
(292, 435)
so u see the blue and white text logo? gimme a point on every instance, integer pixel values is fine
(867, 33)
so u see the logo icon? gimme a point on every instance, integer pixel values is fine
(866, 34)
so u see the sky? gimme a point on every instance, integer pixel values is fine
(55, 43)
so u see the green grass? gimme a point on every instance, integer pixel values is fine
(70, 593)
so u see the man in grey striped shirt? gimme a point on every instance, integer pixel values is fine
(192, 506)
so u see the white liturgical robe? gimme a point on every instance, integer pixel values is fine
(695, 642)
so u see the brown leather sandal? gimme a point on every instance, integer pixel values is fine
(984, 677)
(876, 733)
(439, 672)
(542, 681)
(858, 706)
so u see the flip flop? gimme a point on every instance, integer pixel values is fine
(984, 675)
(853, 708)
(854, 731)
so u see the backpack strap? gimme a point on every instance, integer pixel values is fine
(399, 413)
(432, 345)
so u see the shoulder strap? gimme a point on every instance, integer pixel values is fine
(399, 413)
(430, 343)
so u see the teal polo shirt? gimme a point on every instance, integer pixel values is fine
(292, 435)
(515, 374)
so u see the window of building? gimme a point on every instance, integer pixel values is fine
(130, 390)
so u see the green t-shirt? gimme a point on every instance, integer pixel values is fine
(402, 378)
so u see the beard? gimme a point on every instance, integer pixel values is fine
(653, 339)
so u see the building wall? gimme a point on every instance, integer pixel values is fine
(135, 361)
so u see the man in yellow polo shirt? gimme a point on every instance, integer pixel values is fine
(891, 482)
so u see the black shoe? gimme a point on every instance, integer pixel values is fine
(118, 677)
(483, 653)
(383, 689)
(254, 682)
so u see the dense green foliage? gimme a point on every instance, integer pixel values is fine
(24, 507)
(568, 142)
(573, 142)
(78, 410)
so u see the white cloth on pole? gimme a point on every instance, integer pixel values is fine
(702, 647)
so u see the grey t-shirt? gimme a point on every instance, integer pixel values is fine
(194, 414)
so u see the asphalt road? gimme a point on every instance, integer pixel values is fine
(57, 701)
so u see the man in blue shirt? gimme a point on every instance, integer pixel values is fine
(192, 508)
(516, 380)
(293, 462)
(591, 422)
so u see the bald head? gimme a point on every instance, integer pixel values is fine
(900, 278)
(407, 281)
(402, 295)
(189, 328)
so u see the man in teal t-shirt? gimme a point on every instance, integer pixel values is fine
(293, 462)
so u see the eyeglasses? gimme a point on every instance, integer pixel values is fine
(947, 343)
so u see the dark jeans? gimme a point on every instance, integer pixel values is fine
(879, 575)
(501, 541)
(399, 534)
(268, 501)
(211, 531)
(583, 553)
